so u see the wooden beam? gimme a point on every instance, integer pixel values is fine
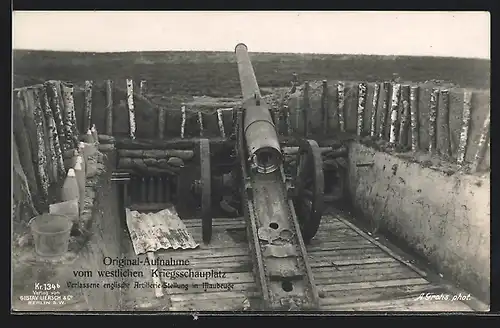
(87, 118)
(70, 124)
(131, 109)
(373, 121)
(485, 131)
(183, 120)
(414, 114)
(143, 88)
(341, 105)
(324, 106)
(53, 136)
(405, 113)
(306, 108)
(394, 112)
(443, 133)
(385, 106)
(464, 133)
(156, 153)
(362, 87)
(109, 107)
(432, 119)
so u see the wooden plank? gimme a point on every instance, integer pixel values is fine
(336, 245)
(223, 266)
(433, 105)
(325, 106)
(306, 108)
(394, 112)
(384, 110)
(374, 251)
(213, 296)
(109, 107)
(362, 87)
(374, 284)
(350, 261)
(385, 249)
(405, 113)
(443, 124)
(364, 274)
(373, 116)
(464, 133)
(87, 117)
(379, 293)
(211, 260)
(220, 252)
(365, 278)
(230, 278)
(131, 110)
(404, 304)
(414, 116)
(209, 305)
(485, 131)
(341, 105)
(351, 267)
(246, 287)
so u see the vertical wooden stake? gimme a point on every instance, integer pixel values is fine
(55, 147)
(444, 137)
(23, 141)
(305, 108)
(288, 123)
(432, 119)
(361, 108)
(324, 106)
(57, 113)
(88, 106)
(200, 123)
(464, 133)
(220, 121)
(70, 123)
(415, 140)
(385, 106)
(341, 105)
(394, 112)
(373, 121)
(481, 144)
(183, 120)
(143, 88)
(405, 112)
(41, 157)
(109, 107)
(161, 122)
(131, 110)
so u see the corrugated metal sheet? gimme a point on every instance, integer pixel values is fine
(162, 230)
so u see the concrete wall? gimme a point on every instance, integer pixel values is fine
(479, 110)
(444, 218)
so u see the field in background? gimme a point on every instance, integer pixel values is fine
(215, 74)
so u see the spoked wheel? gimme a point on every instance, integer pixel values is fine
(205, 190)
(309, 185)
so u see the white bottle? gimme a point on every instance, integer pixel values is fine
(80, 179)
(70, 188)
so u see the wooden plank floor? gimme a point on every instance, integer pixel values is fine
(353, 272)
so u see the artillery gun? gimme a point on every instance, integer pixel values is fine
(281, 205)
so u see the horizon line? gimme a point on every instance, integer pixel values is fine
(255, 52)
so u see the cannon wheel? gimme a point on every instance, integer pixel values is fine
(309, 186)
(205, 190)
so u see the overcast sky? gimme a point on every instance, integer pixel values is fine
(458, 34)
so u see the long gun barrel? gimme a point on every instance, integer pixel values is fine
(259, 130)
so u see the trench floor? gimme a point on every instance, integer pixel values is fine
(352, 270)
